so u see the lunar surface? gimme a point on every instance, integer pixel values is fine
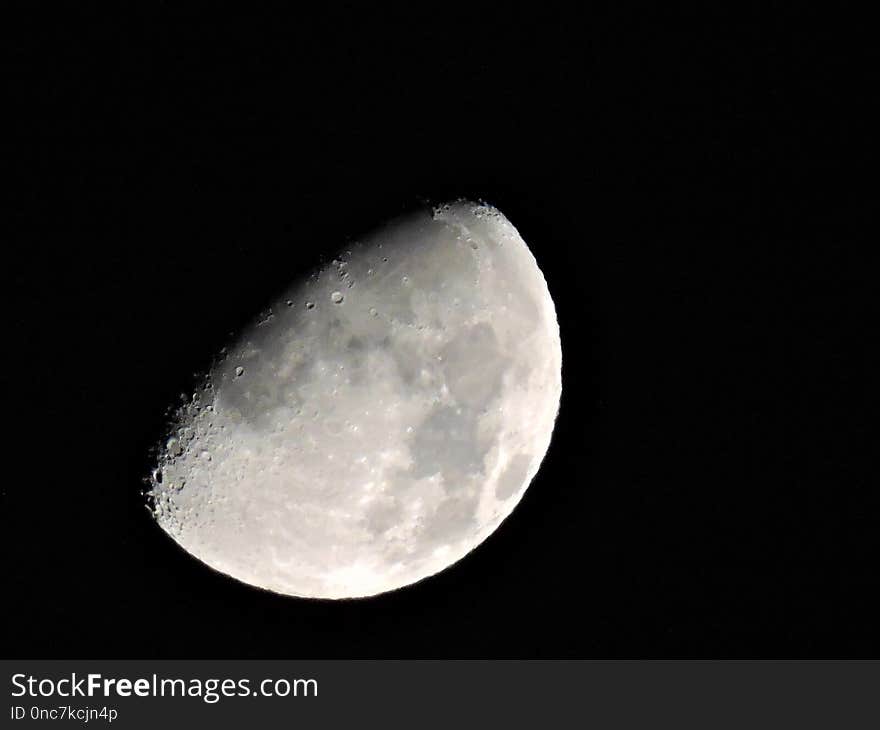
(379, 421)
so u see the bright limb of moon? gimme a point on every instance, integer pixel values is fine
(379, 421)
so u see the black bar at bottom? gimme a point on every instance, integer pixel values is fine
(414, 694)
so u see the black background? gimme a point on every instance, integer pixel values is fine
(687, 183)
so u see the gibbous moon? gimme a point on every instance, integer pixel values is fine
(379, 421)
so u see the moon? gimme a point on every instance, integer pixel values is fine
(379, 421)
